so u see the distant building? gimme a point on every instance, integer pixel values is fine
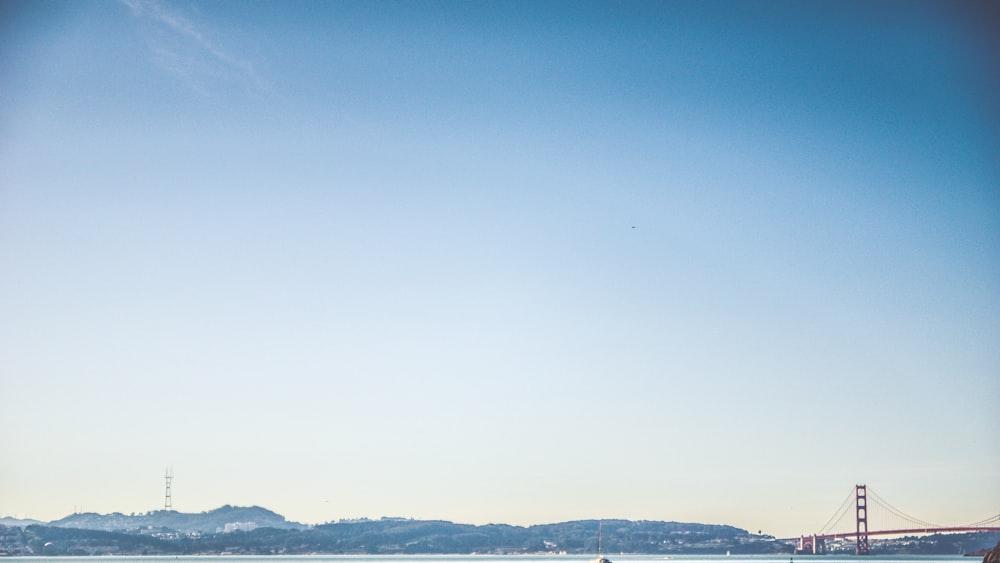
(241, 526)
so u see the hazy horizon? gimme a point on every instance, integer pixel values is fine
(500, 261)
(848, 515)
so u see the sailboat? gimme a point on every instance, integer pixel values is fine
(600, 558)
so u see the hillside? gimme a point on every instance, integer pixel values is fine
(258, 531)
(205, 522)
(19, 522)
(164, 533)
(421, 536)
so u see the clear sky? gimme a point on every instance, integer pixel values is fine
(517, 262)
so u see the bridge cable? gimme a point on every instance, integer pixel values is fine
(899, 513)
(983, 523)
(839, 514)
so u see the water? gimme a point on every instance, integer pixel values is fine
(496, 559)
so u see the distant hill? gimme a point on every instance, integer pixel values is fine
(161, 533)
(399, 535)
(257, 531)
(205, 522)
(18, 522)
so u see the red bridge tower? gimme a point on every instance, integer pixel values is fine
(862, 520)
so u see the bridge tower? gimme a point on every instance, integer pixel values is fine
(167, 501)
(861, 519)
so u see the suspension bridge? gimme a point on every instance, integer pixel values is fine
(892, 522)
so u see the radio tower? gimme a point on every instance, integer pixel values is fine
(167, 505)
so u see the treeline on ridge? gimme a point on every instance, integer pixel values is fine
(398, 536)
(403, 536)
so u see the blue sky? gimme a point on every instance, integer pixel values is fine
(500, 261)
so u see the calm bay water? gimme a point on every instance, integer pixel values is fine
(500, 559)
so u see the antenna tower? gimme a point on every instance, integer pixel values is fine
(167, 504)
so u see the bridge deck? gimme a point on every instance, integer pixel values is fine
(896, 532)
